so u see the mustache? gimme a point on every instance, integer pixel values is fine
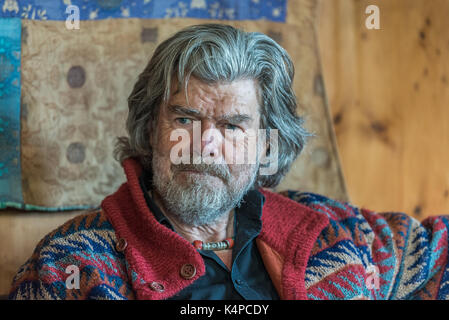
(219, 170)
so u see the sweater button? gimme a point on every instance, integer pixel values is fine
(188, 271)
(156, 286)
(121, 245)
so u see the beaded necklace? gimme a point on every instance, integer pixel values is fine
(226, 244)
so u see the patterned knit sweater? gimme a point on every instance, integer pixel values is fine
(313, 247)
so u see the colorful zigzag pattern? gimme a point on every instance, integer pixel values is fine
(359, 255)
(407, 259)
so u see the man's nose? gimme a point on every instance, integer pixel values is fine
(211, 140)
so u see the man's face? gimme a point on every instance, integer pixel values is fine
(221, 120)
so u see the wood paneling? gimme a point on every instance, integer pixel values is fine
(388, 92)
(19, 234)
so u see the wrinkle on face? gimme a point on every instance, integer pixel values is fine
(214, 106)
(218, 109)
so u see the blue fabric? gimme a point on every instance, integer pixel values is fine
(274, 10)
(10, 170)
(248, 278)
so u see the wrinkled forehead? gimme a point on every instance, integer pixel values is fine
(216, 98)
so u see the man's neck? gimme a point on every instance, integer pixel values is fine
(220, 230)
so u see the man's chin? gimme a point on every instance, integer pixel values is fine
(198, 203)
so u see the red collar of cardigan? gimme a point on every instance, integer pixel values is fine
(155, 254)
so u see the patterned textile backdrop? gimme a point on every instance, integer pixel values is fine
(63, 91)
(274, 10)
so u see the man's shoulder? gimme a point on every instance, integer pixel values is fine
(88, 231)
(310, 201)
(347, 221)
(86, 242)
(335, 210)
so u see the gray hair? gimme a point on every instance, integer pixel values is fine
(215, 53)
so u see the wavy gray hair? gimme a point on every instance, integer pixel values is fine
(215, 53)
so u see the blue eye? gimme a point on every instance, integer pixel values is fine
(183, 120)
(231, 126)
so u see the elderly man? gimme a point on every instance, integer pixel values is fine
(214, 108)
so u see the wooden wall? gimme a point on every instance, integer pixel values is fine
(388, 92)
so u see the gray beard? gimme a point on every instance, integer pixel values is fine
(196, 203)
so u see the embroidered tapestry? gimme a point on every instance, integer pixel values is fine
(63, 91)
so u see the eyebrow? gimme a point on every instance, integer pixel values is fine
(183, 110)
(230, 118)
(236, 118)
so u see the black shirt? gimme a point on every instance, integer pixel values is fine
(248, 278)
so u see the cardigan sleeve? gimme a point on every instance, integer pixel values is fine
(419, 251)
(39, 278)
(75, 261)
(387, 255)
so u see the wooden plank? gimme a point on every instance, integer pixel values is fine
(389, 98)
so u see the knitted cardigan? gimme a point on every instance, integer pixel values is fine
(313, 247)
